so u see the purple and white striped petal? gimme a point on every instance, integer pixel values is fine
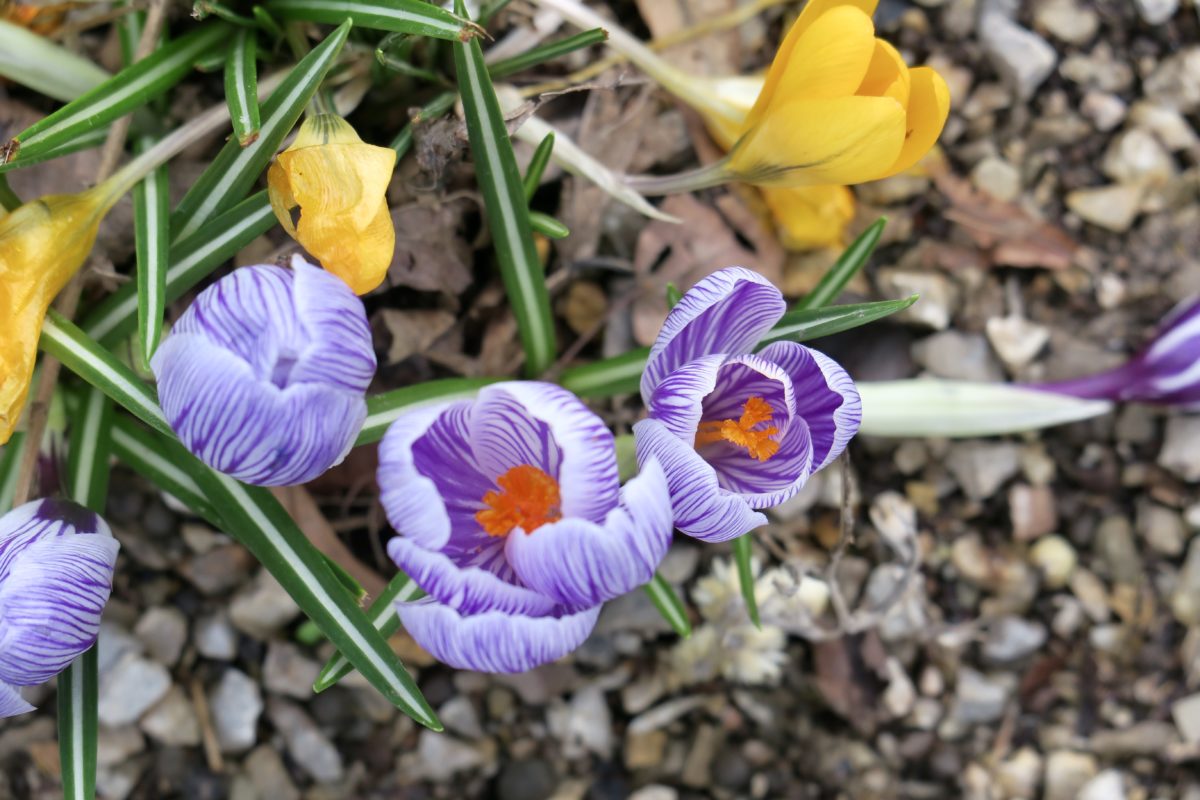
(727, 312)
(702, 509)
(826, 397)
(249, 428)
(431, 485)
(581, 564)
(11, 702)
(494, 641)
(263, 376)
(543, 425)
(38, 519)
(467, 589)
(50, 605)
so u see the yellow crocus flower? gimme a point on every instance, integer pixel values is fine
(42, 244)
(339, 183)
(838, 106)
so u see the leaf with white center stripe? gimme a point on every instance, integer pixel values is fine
(257, 520)
(45, 67)
(131, 88)
(235, 169)
(383, 409)
(241, 86)
(669, 605)
(413, 17)
(151, 218)
(10, 457)
(189, 262)
(506, 209)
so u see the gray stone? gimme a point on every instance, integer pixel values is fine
(1066, 773)
(1186, 713)
(1104, 109)
(440, 757)
(1067, 20)
(1111, 207)
(1180, 453)
(1137, 157)
(1150, 738)
(1185, 599)
(269, 775)
(584, 725)
(459, 716)
(288, 672)
(527, 779)
(1023, 58)
(1162, 528)
(263, 608)
(1012, 638)
(173, 721)
(981, 468)
(1176, 82)
(1156, 12)
(1017, 340)
(939, 297)
(215, 637)
(118, 745)
(164, 632)
(130, 688)
(954, 354)
(906, 617)
(978, 698)
(998, 178)
(655, 791)
(236, 704)
(309, 748)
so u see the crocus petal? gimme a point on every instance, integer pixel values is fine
(50, 605)
(826, 397)
(727, 312)
(11, 702)
(928, 108)
(430, 483)
(831, 57)
(842, 140)
(788, 50)
(701, 508)
(765, 484)
(249, 428)
(494, 641)
(810, 216)
(345, 181)
(678, 399)
(543, 425)
(339, 351)
(470, 590)
(39, 519)
(887, 75)
(581, 564)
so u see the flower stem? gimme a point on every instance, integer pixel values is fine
(714, 174)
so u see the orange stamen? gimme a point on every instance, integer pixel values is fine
(529, 498)
(741, 432)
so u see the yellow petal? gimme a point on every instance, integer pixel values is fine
(345, 180)
(842, 140)
(928, 107)
(325, 129)
(789, 49)
(360, 259)
(810, 216)
(737, 94)
(887, 76)
(279, 192)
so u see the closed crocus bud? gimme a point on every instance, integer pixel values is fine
(838, 106)
(56, 568)
(339, 184)
(263, 377)
(1165, 372)
(42, 244)
(738, 429)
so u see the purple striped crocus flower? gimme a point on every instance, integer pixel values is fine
(513, 521)
(1166, 371)
(56, 568)
(263, 377)
(735, 430)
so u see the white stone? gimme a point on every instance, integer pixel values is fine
(164, 632)
(1067, 20)
(1137, 157)
(173, 721)
(1181, 448)
(1108, 785)
(236, 704)
(1186, 712)
(981, 468)
(1066, 773)
(130, 688)
(1156, 12)
(1111, 207)
(263, 608)
(1104, 109)
(1022, 57)
(998, 178)
(1016, 340)
(215, 637)
(938, 300)
(1056, 558)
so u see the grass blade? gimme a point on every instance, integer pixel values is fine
(78, 696)
(241, 86)
(546, 52)
(383, 616)
(236, 168)
(813, 323)
(39, 64)
(548, 225)
(852, 259)
(129, 89)
(506, 208)
(399, 16)
(139, 449)
(10, 457)
(617, 375)
(537, 165)
(383, 409)
(743, 557)
(84, 141)
(151, 218)
(669, 605)
(189, 262)
(257, 520)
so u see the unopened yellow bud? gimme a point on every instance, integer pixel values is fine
(42, 244)
(339, 184)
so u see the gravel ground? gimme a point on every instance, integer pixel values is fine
(1006, 618)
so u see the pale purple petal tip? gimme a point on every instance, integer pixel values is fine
(727, 312)
(581, 564)
(494, 641)
(11, 702)
(702, 509)
(263, 376)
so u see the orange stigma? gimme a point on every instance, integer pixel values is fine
(741, 432)
(529, 498)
